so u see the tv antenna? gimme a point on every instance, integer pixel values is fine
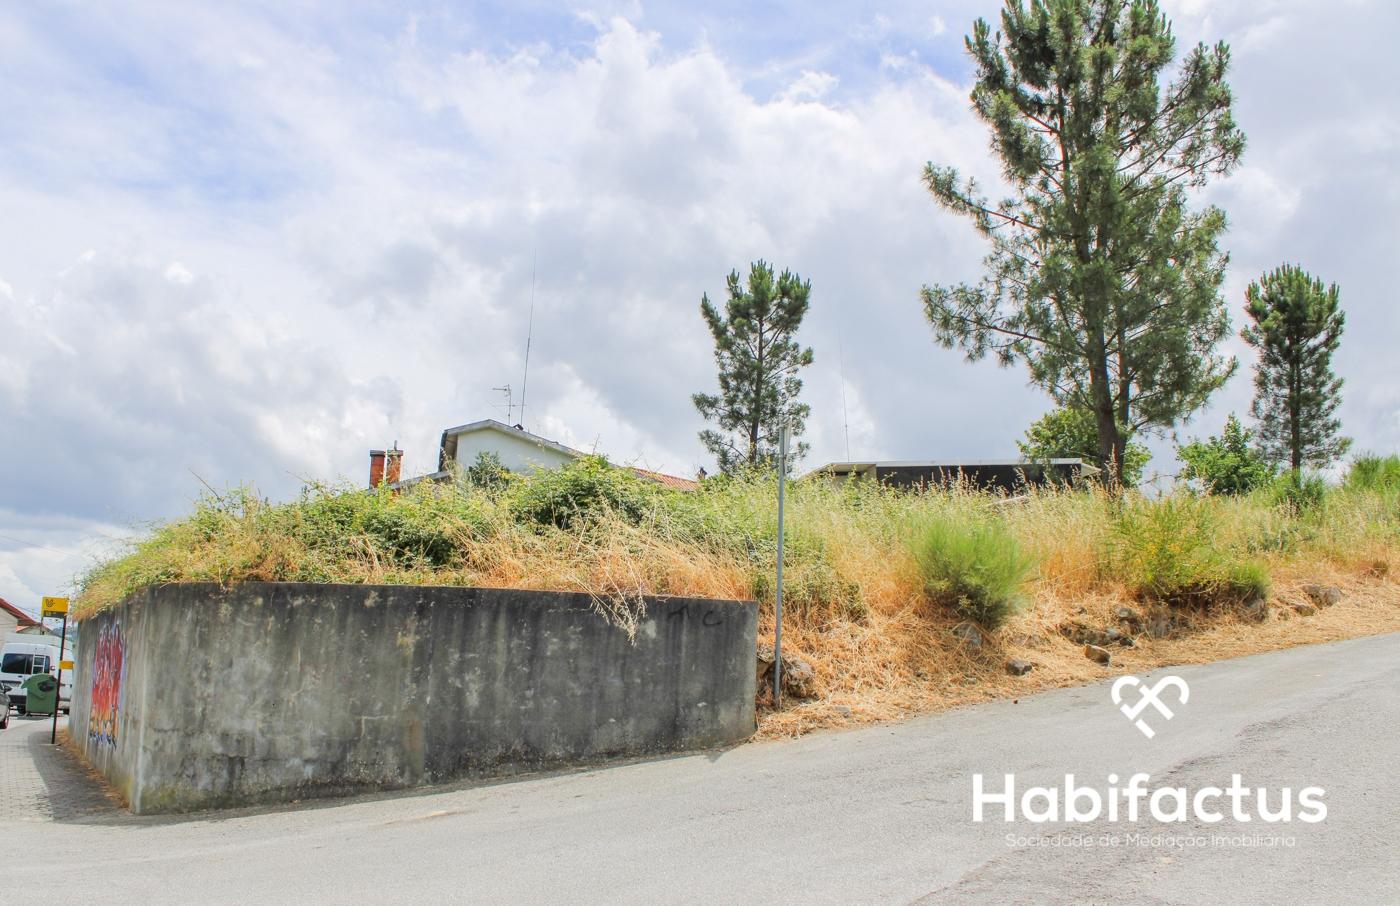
(509, 406)
(529, 333)
(845, 420)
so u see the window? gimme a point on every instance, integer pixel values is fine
(41, 664)
(16, 663)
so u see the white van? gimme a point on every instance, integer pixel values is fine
(23, 656)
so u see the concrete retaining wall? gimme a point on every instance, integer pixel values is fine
(189, 696)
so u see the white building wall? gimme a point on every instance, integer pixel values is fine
(516, 453)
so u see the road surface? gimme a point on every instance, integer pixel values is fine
(878, 815)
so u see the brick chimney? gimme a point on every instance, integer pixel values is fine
(376, 468)
(393, 465)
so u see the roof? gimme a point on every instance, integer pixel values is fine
(841, 467)
(448, 452)
(670, 481)
(20, 616)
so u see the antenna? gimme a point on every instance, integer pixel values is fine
(509, 407)
(529, 334)
(845, 421)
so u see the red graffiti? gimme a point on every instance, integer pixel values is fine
(107, 674)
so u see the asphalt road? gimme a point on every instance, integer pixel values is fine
(879, 815)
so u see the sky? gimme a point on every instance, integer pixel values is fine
(246, 243)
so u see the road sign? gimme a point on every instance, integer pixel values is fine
(57, 607)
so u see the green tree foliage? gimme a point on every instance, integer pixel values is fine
(1228, 464)
(487, 472)
(1100, 277)
(583, 490)
(758, 361)
(1297, 325)
(1063, 432)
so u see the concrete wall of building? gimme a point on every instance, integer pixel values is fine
(188, 696)
(517, 453)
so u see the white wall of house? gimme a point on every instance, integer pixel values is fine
(516, 453)
(8, 623)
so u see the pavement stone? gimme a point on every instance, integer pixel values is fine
(43, 782)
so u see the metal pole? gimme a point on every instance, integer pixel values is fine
(58, 695)
(778, 596)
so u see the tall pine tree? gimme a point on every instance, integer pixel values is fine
(758, 361)
(1297, 325)
(1100, 277)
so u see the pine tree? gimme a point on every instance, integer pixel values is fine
(1297, 325)
(1100, 278)
(758, 363)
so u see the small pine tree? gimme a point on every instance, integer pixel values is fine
(1297, 326)
(758, 363)
(1228, 464)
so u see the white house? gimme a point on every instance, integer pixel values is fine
(517, 449)
(13, 619)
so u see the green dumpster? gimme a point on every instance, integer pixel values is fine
(41, 694)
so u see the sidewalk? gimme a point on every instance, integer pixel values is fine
(41, 782)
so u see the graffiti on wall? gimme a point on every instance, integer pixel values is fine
(108, 671)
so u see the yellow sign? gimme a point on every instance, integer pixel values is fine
(65, 665)
(54, 607)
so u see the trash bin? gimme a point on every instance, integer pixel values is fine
(41, 694)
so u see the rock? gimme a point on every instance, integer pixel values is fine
(1323, 595)
(1304, 609)
(1023, 641)
(1160, 627)
(799, 677)
(1112, 635)
(1082, 634)
(842, 710)
(764, 668)
(1130, 616)
(969, 634)
(1017, 667)
(1257, 610)
(1098, 655)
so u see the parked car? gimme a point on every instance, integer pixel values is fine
(4, 709)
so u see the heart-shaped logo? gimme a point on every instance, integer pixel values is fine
(1148, 695)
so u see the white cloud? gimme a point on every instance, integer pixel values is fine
(268, 244)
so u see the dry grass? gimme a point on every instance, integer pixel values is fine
(856, 605)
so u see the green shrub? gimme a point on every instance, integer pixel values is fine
(1227, 464)
(1301, 491)
(976, 567)
(568, 496)
(1370, 472)
(1170, 550)
(487, 473)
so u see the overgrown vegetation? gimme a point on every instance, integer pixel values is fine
(1228, 464)
(850, 547)
(976, 567)
(875, 580)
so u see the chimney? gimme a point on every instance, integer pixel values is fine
(394, 465)
(376, 468)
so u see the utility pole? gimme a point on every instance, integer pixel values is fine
(783, 434)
